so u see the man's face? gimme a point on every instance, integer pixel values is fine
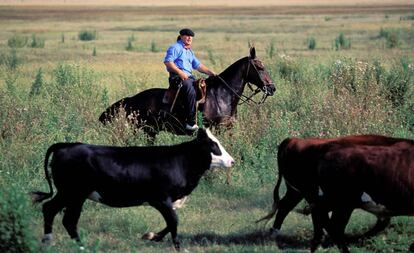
(187, 40)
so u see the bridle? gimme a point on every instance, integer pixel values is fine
(244, 98)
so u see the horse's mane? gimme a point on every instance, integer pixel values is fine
(215, 81)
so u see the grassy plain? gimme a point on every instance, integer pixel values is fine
(320, 92)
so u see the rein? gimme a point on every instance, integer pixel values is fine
(244, 98)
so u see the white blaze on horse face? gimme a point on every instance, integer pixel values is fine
(223, 160)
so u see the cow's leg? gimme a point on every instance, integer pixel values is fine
(380, 225)
(285, 206)
(320, 221)
(170, 217)
(339, 220)
(412, 247)
(50, 209)
(71, 218)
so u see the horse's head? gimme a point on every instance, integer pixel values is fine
(257, 74)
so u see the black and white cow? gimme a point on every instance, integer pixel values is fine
(126, 176)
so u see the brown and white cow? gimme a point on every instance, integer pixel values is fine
(379, 179)
(298, 161)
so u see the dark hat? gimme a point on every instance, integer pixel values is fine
(187, 31)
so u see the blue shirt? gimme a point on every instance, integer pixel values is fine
(183, 58)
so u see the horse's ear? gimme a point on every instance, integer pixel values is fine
(252, 52)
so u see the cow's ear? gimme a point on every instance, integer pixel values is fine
(201, 134)
(252, 53)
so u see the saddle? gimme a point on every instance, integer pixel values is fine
(170, 96)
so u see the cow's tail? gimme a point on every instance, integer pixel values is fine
(38, 196)
(276, 200)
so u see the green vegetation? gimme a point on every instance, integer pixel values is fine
(56, 93)
(15, 233)
(311, 42)
(341, 42)
(86, 35)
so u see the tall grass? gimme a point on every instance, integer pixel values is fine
(56, 95)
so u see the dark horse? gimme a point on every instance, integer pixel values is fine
(223, 94)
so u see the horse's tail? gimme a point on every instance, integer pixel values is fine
(109, 114)
(38, 196)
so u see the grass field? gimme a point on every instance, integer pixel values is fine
(340, 67)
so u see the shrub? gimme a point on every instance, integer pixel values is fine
(130, 45)
(311, 42)
(341, 42)
(87, 35)
(37, 42)
(11, 61)
(154, 47)
(17, 41)
(392, 37)
(397, 82)
(15, 233)
(393, 40)
(270, 49)
(37, 84)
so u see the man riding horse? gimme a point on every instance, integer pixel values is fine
(180, 62)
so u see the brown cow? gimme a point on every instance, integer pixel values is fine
(298, 161)
(379, 179)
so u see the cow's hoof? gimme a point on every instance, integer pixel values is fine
(412, 248)
(47, 239)
(177, 246)
(148, 236)
(274, 233)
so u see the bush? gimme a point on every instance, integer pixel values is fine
(37, 42)
(270, 49)
(397, 82)
(87, 35)
(130, 45)
(311, 42)
(15, 233)
(154, 47)
(392, 37)
(37, 84)
(341, 42)
(11, 61)
(17, 41)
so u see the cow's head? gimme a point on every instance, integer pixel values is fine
(219, 156)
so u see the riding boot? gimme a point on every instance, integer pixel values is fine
(190, 106)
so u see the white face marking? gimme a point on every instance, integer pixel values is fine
(224, 160)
